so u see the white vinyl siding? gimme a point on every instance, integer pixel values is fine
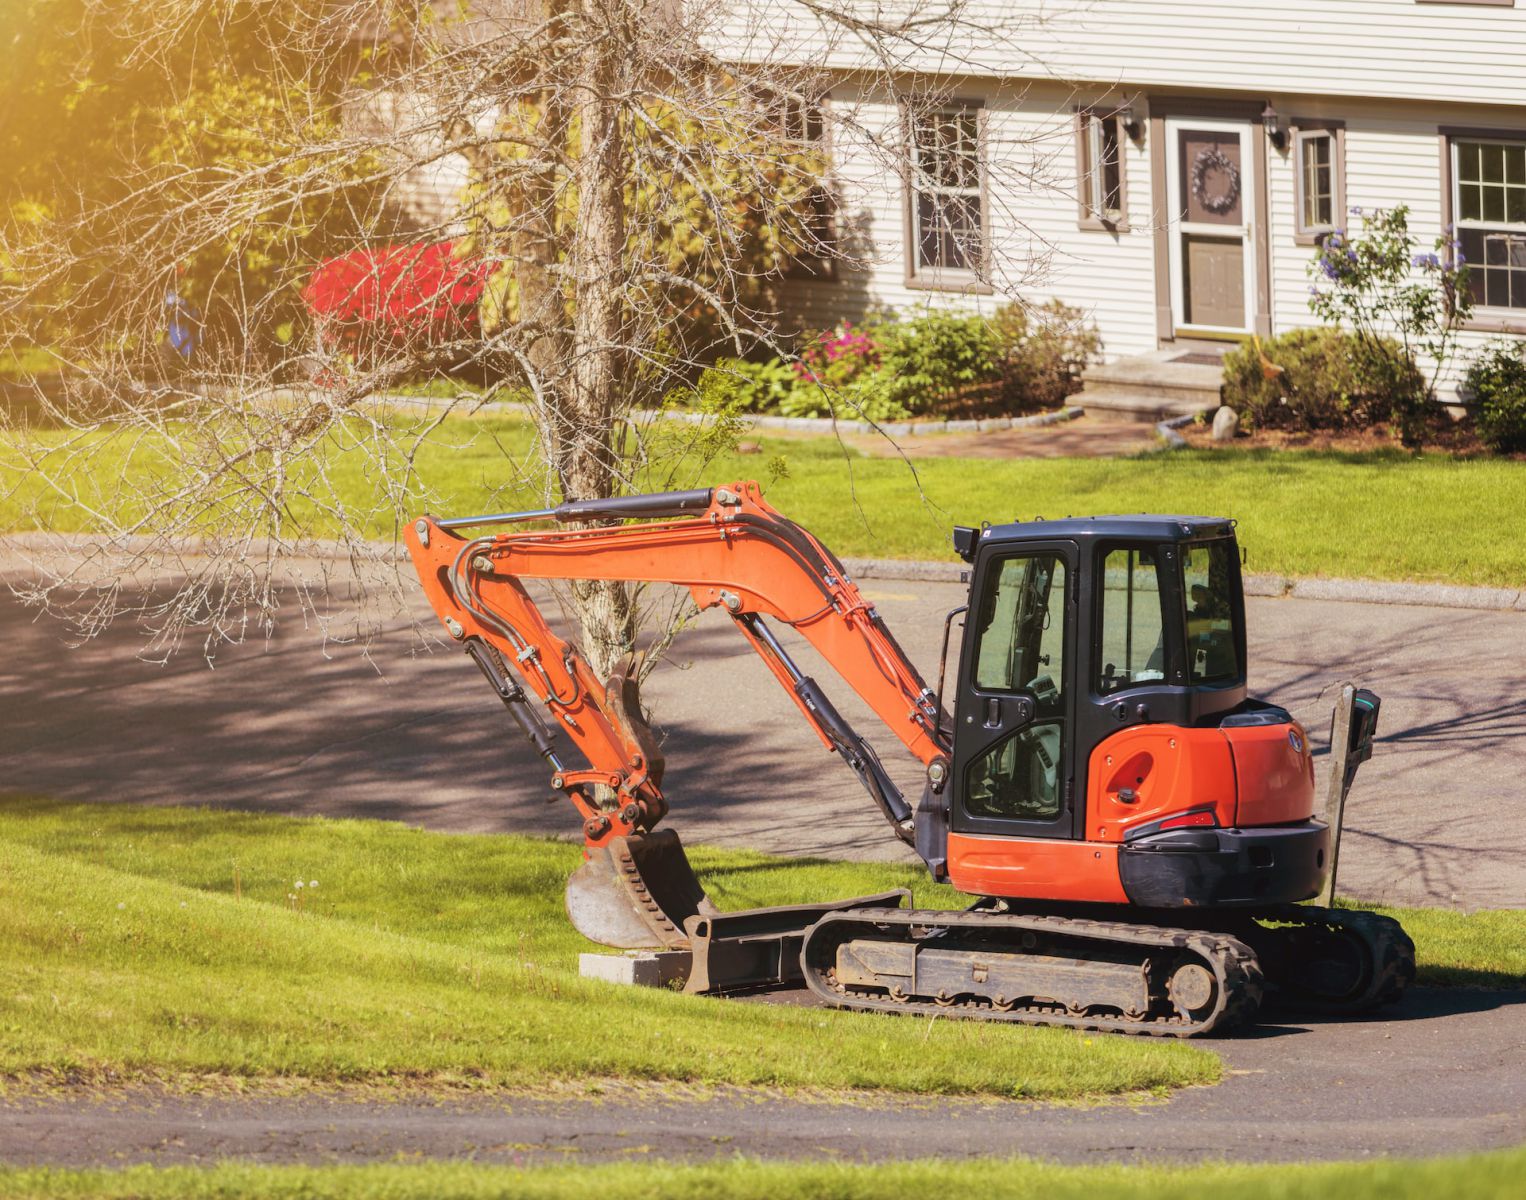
(1036, 251)
(1395, 49)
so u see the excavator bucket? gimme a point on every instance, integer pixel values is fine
(639, 892)
(636, 892)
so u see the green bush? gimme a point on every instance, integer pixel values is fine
(933, 362)
(1309, 379)
(1497, 381)
(753, 387)
(940, 364)
(1043, 352)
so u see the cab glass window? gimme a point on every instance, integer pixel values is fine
(1020, 647)
(1021, 624)
(1208, 586)
(1019, 778)
(1133, 648)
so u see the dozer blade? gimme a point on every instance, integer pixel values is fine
(636, 893)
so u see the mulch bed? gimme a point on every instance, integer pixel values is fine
(1444, 435)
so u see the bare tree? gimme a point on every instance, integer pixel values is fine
(641, 174)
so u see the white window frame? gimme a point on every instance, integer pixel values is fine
(1516, 228)
(1090, 153)
(1306, 234)
(933, 275)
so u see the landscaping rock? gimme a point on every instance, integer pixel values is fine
(749, 448)
(1225, 424)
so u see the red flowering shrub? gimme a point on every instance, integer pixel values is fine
(839, 356)
(414, 293)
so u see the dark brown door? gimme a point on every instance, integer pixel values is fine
(1211, 184)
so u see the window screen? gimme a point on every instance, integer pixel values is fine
(1316, 181)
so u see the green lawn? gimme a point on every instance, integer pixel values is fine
(170, 942)
(164, 943)
(1457, 949)
(1494, 1176)
(1382, 515)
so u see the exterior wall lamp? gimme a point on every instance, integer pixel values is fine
(1272, 123)
(1132, 123)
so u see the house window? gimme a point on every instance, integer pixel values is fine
(1489, 203)
(1319, 171)
(947, 203)
(799, 126)
(805, 126)
(1099, 170)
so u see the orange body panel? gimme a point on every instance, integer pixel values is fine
(738, 555)
(1275, 773)
(1169, 768)
(1034, 868)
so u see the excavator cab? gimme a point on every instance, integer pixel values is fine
(1101, 726)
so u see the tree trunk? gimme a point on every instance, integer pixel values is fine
(586, 459)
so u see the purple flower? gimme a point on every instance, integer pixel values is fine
(1356, 210)
(1429, 261)
(1461, 258)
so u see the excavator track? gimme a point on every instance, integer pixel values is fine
(1331, 959)
(1113, 977)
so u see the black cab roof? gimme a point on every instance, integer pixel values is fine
(1142, 527)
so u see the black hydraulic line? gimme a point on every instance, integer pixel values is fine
(855, 751)
(652, 504)
(491, 664)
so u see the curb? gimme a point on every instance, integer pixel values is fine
(1343, 591)
(1166, 430)
(796, 424)
(1276, 587)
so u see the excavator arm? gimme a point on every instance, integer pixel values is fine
(732, 552)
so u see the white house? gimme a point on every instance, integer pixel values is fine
(1168, 167)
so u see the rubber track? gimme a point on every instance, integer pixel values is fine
(1390, 956)
(1234, 965)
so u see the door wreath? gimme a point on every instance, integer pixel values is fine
(1211, 158)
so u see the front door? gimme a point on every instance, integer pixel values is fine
(1211, 190)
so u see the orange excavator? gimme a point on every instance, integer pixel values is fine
(1138, 832)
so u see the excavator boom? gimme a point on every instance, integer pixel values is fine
(732, 552)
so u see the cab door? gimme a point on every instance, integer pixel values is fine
(1013, 770)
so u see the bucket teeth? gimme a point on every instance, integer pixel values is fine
(636, 892)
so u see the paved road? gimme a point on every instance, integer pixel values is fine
(1444, 1074)
(417, 737)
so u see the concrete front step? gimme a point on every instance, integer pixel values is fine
(1143, 406)
(1152, 387)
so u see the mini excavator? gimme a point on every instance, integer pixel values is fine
(1138, 831)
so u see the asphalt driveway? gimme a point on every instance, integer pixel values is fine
(414, 735)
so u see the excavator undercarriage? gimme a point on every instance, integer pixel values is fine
(1137, 831)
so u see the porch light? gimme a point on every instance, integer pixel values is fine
(1272, 123)
(1130, 121)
